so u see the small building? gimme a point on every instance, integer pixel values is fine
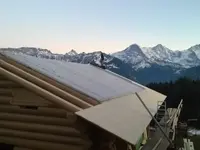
(54, 105)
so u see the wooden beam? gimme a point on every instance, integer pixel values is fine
(33, 127)
(43, 137)
(37, 119)
(40, 111)
(39, 145)
(40, 91)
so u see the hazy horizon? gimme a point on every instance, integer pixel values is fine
(99, 50)
(106, 25)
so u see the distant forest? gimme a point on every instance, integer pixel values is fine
(183, 88)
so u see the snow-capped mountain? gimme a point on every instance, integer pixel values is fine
(72, 53)
(133, 55)
(196, 50)
(143, 64)
(38, 52)
(144, 57)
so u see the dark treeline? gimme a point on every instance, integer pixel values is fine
(183, 88)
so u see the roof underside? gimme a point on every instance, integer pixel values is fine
(94, 82)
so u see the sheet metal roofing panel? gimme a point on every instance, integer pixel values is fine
(125, 116)
(95, 82)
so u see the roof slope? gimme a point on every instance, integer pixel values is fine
(97, 83)
(123, 115)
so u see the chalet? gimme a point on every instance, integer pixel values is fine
(54, 105)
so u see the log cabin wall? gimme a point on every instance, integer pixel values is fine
(30, 122)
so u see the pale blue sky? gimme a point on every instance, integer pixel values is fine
(91, 25)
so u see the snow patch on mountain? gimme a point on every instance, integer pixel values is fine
(112, 66)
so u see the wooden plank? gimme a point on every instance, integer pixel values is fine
(43, 111)
(39, 145)
(43, 137)
(37, 119)
(51, 129)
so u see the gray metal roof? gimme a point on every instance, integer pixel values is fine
(94, 82)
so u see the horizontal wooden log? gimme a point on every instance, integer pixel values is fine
(6, 91)
(42, 111)
(39, 145)
(37, 119)
(24, 97)
(8, 84)
(5, 99)
(52, 129)
(21, 148)
(43, 137)
(7, 96)
(3, 77)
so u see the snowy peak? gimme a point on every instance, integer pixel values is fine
(195, 47)
(132, 48)
(196, 50)
(158, 52)
(133, 55)
(159, 47)
(72, 53)
(162, 50)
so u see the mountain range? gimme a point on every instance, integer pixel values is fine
(142, 64)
